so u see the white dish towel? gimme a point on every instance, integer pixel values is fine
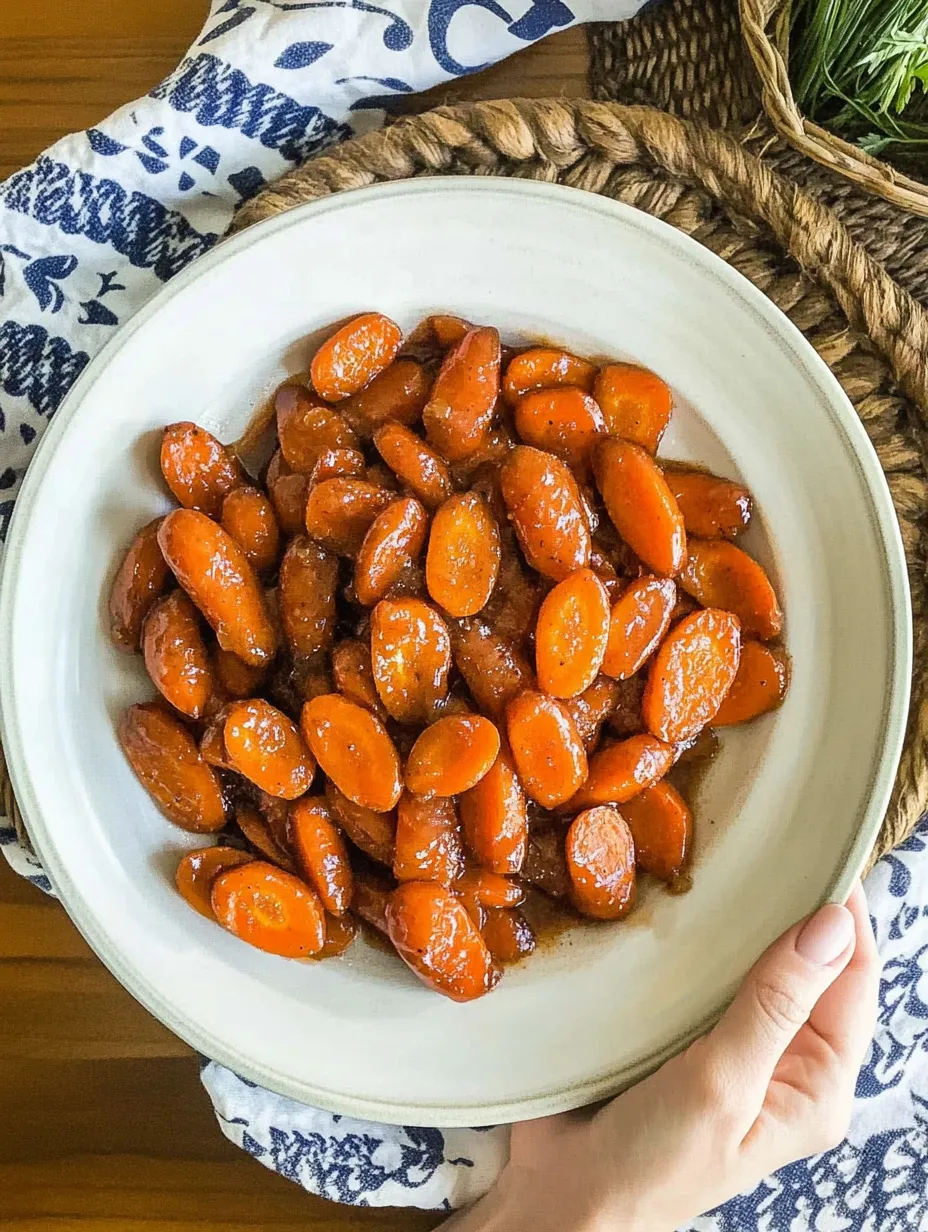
(94, 228)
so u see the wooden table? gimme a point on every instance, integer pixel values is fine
(104, 1126)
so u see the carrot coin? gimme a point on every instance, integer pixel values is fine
(601, 860)
(398, 394)
(452, 755)
(354, 675)
(339, 464)
(249, 517)
(353, 749)
(462, 562)
(321, 853)
(545, 368)
(395, 539)
(258, 833)
(288, 491)
(508, 935)
(621, 771)
(270, 909)
(212, 741)
(428, 840)
(546, 511)
(718, 574)
(340, 932)
(410, 658)
(691, 674)
(267, 748)
(339, 512)
(489, 889)
(571, 635)
(546, 747)
(495, 818)
(640, 505)
(354, 355)
(493, 668)
(234, 677)
(371, 899)
(140, 579)
(590, 709)
(661, 823)
(636, 404)
(175, 654)
(566, 422)
(167, 763)
(447, 330)
(760, 685)
(460, 408)
(436, 938)
(416, 466)
(307, 428)
(199, 470)
(306, 591)
(199, 869)
(637, 625)
(371, 832)
(712, 508)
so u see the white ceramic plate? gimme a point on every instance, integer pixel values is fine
(786, 816)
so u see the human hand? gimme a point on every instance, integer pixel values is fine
(771, 1083)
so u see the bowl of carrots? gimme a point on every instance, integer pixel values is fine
(462, 654)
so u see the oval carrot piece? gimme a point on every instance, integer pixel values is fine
(267, 748)
(354, 355)
(140, 579)
(759, 686)
(373, 833)
(546, 511)
(307, 427)
(546, 747)
(508, 935)
(416, 466)
(199, 470)
(353, 674)
(410, 658)
(462, 562)
(288, 491)
(493, 668)
(338, 463)
(718, 574)
(637, 624)
(601, 860)
(353, 749)
(621, 771)
(175, 654)
(495, 818)
(340, 932)
(545, 368)
(452, 755)
(258, 833)
(661, 823)
(571, 634)
(371, 899)
(395, 539)
(490, 890)
(447, 330)
(249, 517)
(712, 508)
(640, 505)
(691, 674)
(590, 709)
(215, 573)
(235, 678)
(167, 763)
(270, 909)
(399, 393)
(428, 840)
(460, 407)
(199, 869)
(636, 404)
(436, 938)
(566, 422)
(339, 512)
(306, 592)
(321, 853)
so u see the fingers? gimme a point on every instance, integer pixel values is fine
(845, 1015)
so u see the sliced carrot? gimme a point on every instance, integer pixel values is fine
(199, 470)
(354, 675)
(495, 818)
(307, 428)
(590, 709)
(339, 463)
(621, 771)
(353, 749)
(452, 755)
(340, 511)
(249, 517)
(175, 654)
(436, 938)
(258, 833)
(640, 505)
(395, 539)
(371, 899)
(354, 355)
(636, 404)
(264, 745)
(410, 658)
(492, 666)
(691, 674)
(545, 368)
(416, 466)
(212, 741)
(760, 685)
(460, 408)
(340, 932)
(428, 840)
(270, 909)
(508, 935)
(448, 330)
(718, 574)
(234, 677)
(661, 823)
(601, 860)
(462, 562)
(199, 869)
(321, 853)
(288, 491)
(546, 864)
(490, 889)
(637, 625)
(546, 747)
(546, 511)
(399, 393)
(306, 593)
(712, 508)
(571, 634)
(167, 763)
(566, 422)
(139, 581)
(371, 832)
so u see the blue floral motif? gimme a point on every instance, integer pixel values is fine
(36, 366)
(301, 55)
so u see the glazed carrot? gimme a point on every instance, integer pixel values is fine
(249, 517)
(508, 935)
(199, 869)
(640, 505)
(371, 899)
(566, 422)
(428, 841)
(621, 771)
(306, 592)
(399, 393)
(175, 654)
(354, 675)
(199, 470)
(718, 574)
(495, 818)
(234, 677)
(354, 355)
(513, 607)
(544, 506)
(307, 427)
(571, 635)
(590, 709)
(493, 668)
(265, 746)
(436, 938)
(212, 741)
(452, 755)
(416, 466)
(662, 826)
(395, 539)
(462, 562)
(760, 685)
(288, 491)
(691, 674)
(340, 932)
(139, 581)
(373, 833)
(636, 404)
(601, 860)
(339, 512)
(712, 508)
(625, 719)
(258, 833)
(460, 407)
(546, 747)
(545, 368)
(215, 573)
(637, 624)
(167, 763)
(489, 889)
(410, 658)
(546, 864)
(338, 463)
(447, 330)
(321, 853)
(270, 909)
(354, 750)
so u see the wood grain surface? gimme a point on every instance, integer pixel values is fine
(104, 1126)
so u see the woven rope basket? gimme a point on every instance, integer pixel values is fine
(765, 25)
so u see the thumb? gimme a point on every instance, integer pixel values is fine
(777, 997)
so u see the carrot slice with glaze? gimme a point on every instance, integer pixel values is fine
(322, 854)
(571, 634)
(760, 685)
(495, 818)
(437, 939)
(621, 771)
(199, 470)
(428, 840)
(452, 755)
(637, 625)
(641, 505)
(462, 562)
(354, 355)
(460, 408)
(636, 404)
(264, 745)
(601, 860)
(661, 823)
(691, 674)
(545, 368)
(270, 909)
(199, 869)
(718, 574)
(546, 747)
(712, 507)
(508, 935)
(353, 749)
(566, 422)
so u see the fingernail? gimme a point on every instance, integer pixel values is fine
(827, 935)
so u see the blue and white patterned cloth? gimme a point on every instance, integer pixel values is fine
(94, 228)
